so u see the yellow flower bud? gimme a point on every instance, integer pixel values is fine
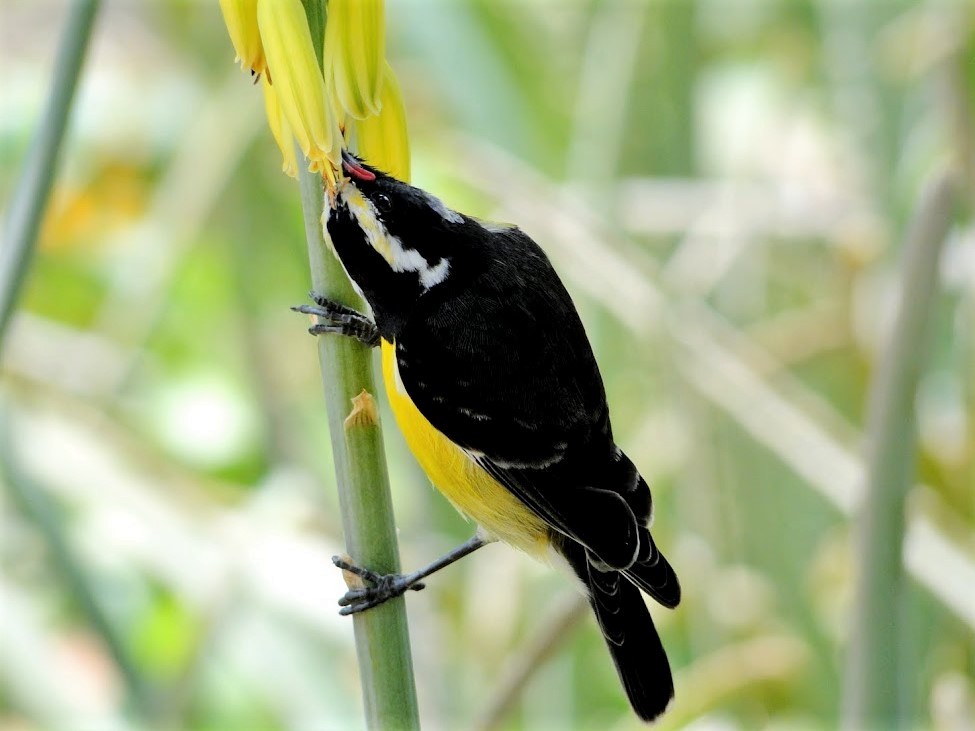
(355, 52)
(382, 139)
(240, 16)
(298, 82)
(280, 129)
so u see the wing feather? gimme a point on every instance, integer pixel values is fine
(501, 365)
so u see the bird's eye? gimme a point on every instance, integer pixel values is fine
(383, 204)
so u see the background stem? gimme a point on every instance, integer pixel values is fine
(32, 191)
(36, 506)
(381, 634)
(873, 681)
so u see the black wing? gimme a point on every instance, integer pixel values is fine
(501, 365)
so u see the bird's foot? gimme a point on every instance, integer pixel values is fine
(341, 320)
(384, 587)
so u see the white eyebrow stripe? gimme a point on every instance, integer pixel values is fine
(445, 213)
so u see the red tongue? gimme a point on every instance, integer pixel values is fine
(355, 169)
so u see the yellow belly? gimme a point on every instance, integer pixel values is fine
(471, 490)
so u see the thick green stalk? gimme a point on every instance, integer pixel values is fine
(381, 634)
(874, 677)
(30, 197)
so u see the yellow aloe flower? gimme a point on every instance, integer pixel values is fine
(240, 17)
(382, 139)
(298, 82)
(338, 111)
(280, 129)
(355, 52)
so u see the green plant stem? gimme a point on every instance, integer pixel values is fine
(36, 506)
(873, 675)
(381, 633)
(30, 197)
(554, 629)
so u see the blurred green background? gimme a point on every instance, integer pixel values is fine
(725, 187)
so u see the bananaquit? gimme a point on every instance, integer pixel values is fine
(492, 379)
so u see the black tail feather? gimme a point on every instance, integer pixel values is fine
(629, 633)
(654, 574)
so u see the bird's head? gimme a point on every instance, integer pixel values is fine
(408, 228)
(396, 242)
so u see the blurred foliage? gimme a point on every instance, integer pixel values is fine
(724, 186)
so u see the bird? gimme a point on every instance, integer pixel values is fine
(493, 382)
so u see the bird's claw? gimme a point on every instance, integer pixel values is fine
(384, 587)
(340, 320)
